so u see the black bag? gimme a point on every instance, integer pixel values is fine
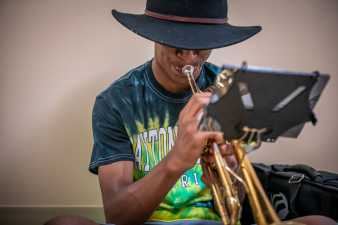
(297, 190)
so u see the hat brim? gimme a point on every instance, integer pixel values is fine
(185, 35)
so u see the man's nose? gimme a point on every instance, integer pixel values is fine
(188, 56)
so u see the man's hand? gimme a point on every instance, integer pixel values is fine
(228, 154)
(208, 159)
(190, 141)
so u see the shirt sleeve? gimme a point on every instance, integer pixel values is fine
(110, 139)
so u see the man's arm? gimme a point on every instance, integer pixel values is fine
(128, 202)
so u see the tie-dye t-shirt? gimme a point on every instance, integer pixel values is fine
(135, 119)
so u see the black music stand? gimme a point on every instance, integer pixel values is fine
(280, 101)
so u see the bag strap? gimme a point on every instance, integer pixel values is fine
(308, 171)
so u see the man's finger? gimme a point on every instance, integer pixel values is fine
(205, 176)
(212, 136)
(232, 162)
(207, 158)
(226, 149)
(196, 103)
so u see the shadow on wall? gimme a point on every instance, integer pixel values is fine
(56, 181)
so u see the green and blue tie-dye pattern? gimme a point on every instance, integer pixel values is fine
(189, 198)
(151, 144)
(182, 202)
(135, 119)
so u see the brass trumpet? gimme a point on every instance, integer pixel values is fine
(223, 187)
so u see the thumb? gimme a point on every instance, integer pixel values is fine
(213, 136)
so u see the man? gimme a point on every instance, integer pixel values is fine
(147, 143)
(153, 117)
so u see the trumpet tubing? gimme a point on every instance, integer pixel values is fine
(222, 187)
(223, 191)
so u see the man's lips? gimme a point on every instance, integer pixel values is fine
(178, 69)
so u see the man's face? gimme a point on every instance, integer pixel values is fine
(170, 61)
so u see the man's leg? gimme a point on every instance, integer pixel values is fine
(70, 220)
(315, 220)
(76, 220)
(186, 222)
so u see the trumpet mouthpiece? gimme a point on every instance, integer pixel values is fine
(188, 70)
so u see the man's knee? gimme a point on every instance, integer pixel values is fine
(69, 220)
(316, 220)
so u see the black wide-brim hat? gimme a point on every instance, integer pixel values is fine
(186, 24)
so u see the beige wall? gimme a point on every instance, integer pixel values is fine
(55, 56)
